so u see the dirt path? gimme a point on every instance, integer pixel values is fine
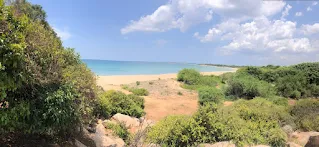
(166, 98)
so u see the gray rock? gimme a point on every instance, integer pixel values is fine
(288, 129)
(313, 141)
(127, 120)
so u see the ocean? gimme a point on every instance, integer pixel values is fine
(107, 67)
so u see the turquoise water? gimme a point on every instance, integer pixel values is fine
(106, 67)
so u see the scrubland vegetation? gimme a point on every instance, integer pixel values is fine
(256, 117)
(46, 90)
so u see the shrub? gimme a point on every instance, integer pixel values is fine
(125, 87)
(240, 124)
(138, 83)
(209, 81)
(246, 86)
(278, 100)
(176, 133)
(188, 76)
(179, 93)
(226, 76)
(49, 90)
(291, 86)
(306, 114)
(112, 102)
(139, 91)
(210, 94)
(120, 130)
(151, 83)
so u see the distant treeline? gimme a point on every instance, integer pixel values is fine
(224, 65)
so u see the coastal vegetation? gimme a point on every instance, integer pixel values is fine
(258, 114)
(47, 92)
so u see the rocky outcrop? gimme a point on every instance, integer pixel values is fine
(313, 141)
(301, 138)
(127, 120)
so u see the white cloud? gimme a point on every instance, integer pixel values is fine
(309, 9)
(310, 29)
(161, 42)
(64, 34)
(285, 12)
(262, 34)
(314, 3)
(183, 14)
(298, 14)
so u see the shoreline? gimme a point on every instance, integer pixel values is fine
(128, 79)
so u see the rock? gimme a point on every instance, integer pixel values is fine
(219, 144)
(301, 138)
(313, 141)
(288, 129)
(101, 140)
(79, 144)
(129, 121)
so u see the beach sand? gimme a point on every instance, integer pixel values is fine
(127, 79)
(163, 98)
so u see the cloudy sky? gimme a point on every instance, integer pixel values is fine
(253, 32)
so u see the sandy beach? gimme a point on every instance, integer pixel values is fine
(127, 79)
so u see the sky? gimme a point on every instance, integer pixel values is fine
(245, 32)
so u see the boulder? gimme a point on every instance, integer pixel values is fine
(288, 129)
(101, 140)
(219, 144)
(313, 141)
(301, 138)
(127, 120)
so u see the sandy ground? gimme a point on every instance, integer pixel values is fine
(127, 79)
(166, 96)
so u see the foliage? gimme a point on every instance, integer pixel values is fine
(311, 71)
(139, 91)
(246, 123)
(179, 93)
(306, 114)
(210, 94)
(245, 86)
(112, 102)
(138, 83)
(188, 76)
(291, 86)
(278, 100)
(226, 76)
(46, 86)
(120, 130)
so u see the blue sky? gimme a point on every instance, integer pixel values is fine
(253, 32)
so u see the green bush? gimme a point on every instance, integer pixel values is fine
(48, 89)
(177, 131)
(179, 93)
(306, 114)
(210, 94)
(188, 76)
(226, 76)
(138, 83)
(251, 122)
(278, 100)
(245, 86)
(120, 130)
(112, 102)
(291, 86)
(139, 91)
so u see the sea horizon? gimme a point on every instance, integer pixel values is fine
(116, 67)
